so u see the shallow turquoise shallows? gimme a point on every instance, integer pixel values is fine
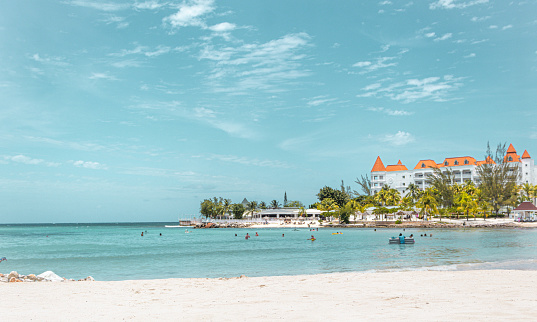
(119, 252)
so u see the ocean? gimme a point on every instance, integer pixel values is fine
(117, 251)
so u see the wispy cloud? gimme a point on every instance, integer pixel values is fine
(249, 161)
(149, 5)
(444, 37)
(57, 61)
(430, 88)
(106, 76)
(398, 139)
(267, 66)
(320, 100)
(390, 111)
(479, 19)
(507, 27)
(31, 161)
(378, 63)
(472, 55)
(117, 20)
(100, 5)
(89, 165)
(455, 4)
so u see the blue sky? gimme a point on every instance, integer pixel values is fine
(138, 110)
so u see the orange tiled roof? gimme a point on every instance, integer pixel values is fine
(424, 164)
(378, 166)
(396, 167)
(511, 149)
(526, 155)
(458, 161)
(487, 160)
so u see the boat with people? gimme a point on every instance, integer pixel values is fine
(401, 240)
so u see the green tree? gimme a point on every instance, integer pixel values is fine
(252, 207)
(294, 203)
(238, 210)
(393, 197)
(207, 208)
(262, 205)
(428, 204)
(498, 177)
(274, 204)
(443, 181)
(413, 192)
(340, 198)
(327, 206)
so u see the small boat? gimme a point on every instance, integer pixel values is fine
(401, 240)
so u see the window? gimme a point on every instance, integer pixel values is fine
(403, 183)
(423, 165)
(466, 161)
(403, 177)
(374, 177)
(456, 162)
(380, 184)
(446, 163)
(376, 184)
(509, 158)
(380, 177)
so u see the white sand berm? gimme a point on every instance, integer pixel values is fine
(494, 295)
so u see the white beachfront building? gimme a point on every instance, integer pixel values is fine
(398, 176)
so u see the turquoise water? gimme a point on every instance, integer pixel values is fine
(118, 252)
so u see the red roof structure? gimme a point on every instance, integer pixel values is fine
(424, 164)
(525, 206)
(378, 166)
(526, 155)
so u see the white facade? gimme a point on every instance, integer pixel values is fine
(464, 169)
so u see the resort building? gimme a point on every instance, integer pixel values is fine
(399, 177)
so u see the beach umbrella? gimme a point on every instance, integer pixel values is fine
(3, 259)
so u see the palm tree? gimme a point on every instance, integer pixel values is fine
(413, 191)
(353, 206)
(466, 203)
(382, 196)
(362, 208)
(393, 197)
(327, 205)
(274, 204)
(251, 207)
(226, 206)
(428, 203)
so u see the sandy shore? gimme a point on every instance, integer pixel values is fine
(434, 296)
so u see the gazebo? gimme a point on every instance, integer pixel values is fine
(525, 211)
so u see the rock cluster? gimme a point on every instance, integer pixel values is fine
(48, 276)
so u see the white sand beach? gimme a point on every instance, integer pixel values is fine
(495, 295)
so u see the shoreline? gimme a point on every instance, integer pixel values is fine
(409, 295)
(446, 223)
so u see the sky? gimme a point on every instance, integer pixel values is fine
(133, 110)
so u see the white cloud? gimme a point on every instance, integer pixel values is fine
(507, 27)
(190, 14)
(23, 159)
(223, 27)
(472, 55)
(266, 66)
(381, 62)
(103, 6)
(362, 64)
(455, 4)
(89, 165)
(27, 160)
(158, 51)
(98, 76)
(372, 87)
(430, 88)
(493, 27)
(383, 3)
(249, 161)
(56, 61)
(478, 19)
(444, 37)
(430, 34)
(320, 100)
(398, 139)
(149, 5)
(390, 112)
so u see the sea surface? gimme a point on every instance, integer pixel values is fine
(119, 252)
